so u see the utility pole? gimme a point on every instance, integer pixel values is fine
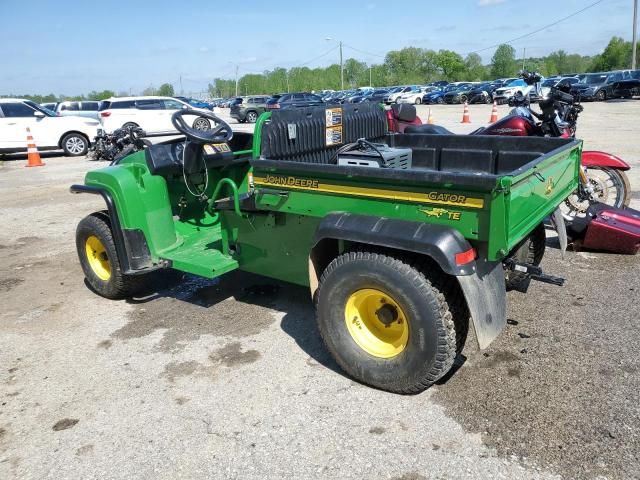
(342, 68)
(634, 42)
(370, 82)
(524, 55)
(181, 89)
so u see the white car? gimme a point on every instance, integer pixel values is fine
(152, 114)
(415, 97)
(503, 94)
(49, 131)
(396, 93)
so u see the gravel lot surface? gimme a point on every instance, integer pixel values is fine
(228, 379)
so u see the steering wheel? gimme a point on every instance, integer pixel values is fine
(219, 134)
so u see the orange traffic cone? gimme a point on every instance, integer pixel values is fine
(494, 113)
(33, 157)
(465, 115)
(430, 118)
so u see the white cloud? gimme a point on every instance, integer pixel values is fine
(487, 3)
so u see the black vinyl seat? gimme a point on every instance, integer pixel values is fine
(428, 129)
(300, 135)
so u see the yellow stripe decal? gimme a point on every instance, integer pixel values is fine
(440, 198)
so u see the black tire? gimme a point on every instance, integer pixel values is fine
(530, 250)
(418, 101)
(202, 124)
(75, 144)
(118, 285)
(430, 347)
(130, 125)
(251, 116)
(463, 98)
(601, 95)
(440, 100)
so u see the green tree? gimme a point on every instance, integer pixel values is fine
(617, 54)
(475, 70)
(451, 65)
(93, 95)
(166, 90)
(503, 62)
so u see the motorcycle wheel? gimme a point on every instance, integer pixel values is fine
(610, 186)
(530, 250)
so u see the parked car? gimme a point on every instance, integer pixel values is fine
(436, 96)
(376, 96)
(550, 82)
(395, 94)
(503, 94)
(415, 97)
(624, 89)
(439, 83)
(50, 106)
(294, 100)
(459, 94)
(594, 85)
(195, 103)
(152, 114)
(248, 109)
(481, 93)
(84, 108)
(49, 131)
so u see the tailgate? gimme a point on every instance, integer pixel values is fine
(535, 192)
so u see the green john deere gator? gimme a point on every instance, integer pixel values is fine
(401, 238)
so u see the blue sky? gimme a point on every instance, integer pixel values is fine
(71, 47)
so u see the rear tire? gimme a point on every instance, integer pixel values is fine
(440, 100)
(75, 144)
(252, 116)
(202, 124)
(130, 125)
(601, 96)
(418, 101)
(99, 260)
(406, 344)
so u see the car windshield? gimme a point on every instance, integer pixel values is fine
(593, 79)
(39, 108)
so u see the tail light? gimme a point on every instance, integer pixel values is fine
(105, 114)
(464, 258)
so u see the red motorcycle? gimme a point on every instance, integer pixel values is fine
(596, 213)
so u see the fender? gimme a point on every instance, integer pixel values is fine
(482, 283)
(594, 158)
(436, 241)
(131, 246)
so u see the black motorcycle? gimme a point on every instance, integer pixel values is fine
(111, 147)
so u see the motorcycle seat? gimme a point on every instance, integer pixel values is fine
(428, 129)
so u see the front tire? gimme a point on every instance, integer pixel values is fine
(440, 101)
(75, 144)
(601, 96)
(385, 322)
(418, 101)
(99, 260)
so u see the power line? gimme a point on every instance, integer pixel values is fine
(540, 29)
(364, 52)
(316, 58)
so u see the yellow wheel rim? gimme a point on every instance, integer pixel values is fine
(376, 323)
(97, 257)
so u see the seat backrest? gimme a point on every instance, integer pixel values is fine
(301, 135)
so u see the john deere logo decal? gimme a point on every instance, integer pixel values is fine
(550, 186)
(440, 212)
